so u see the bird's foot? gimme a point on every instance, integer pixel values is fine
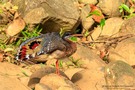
(57, 72)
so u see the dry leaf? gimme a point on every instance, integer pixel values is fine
(96, 17)
(16, 26)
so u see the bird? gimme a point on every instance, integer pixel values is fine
(47, 46)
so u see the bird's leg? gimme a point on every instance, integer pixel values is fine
(57, 67)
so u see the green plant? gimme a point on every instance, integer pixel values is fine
(102, 23)
(72, 38)
(53, 65)
(95, 12)
(75, 62)
(26, 34)
(60, 64)
(1, 11)
(128, 11)
(62, 31)
(2, 46)
(42, 65)
(29, 34)
(86, 33)
(25, 73)
(77, 30)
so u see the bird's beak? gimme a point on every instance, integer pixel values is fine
(71, 38)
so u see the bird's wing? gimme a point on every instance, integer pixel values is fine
(52, 42)
(29, 48)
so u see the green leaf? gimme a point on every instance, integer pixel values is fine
(2, 46)
(95, 12)
(18, 42)
(15, 7)
(86, 33)
(124, 7)
(62, 31)
(74, 39)
(23, 33)
(60, 63)
(132, 10)
(102, 23)
(1, 11)
(29, 34)
(42, 65)
(53, 65)
(121, 10)
(25, 73)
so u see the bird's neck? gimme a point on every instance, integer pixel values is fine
(71, 48)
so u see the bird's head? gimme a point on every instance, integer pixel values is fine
(67, 36)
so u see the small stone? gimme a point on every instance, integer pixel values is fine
(13, 70)
(118, 75)
(50, 14)
(70, 72)
(8, 83)
(89, 79)
(111, 27)
(88, 58)
(37, 75)
(124, 51)
(110, 7)
(24, 80)
(128, 26)
(55, 82)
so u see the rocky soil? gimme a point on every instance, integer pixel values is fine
(104, 59)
